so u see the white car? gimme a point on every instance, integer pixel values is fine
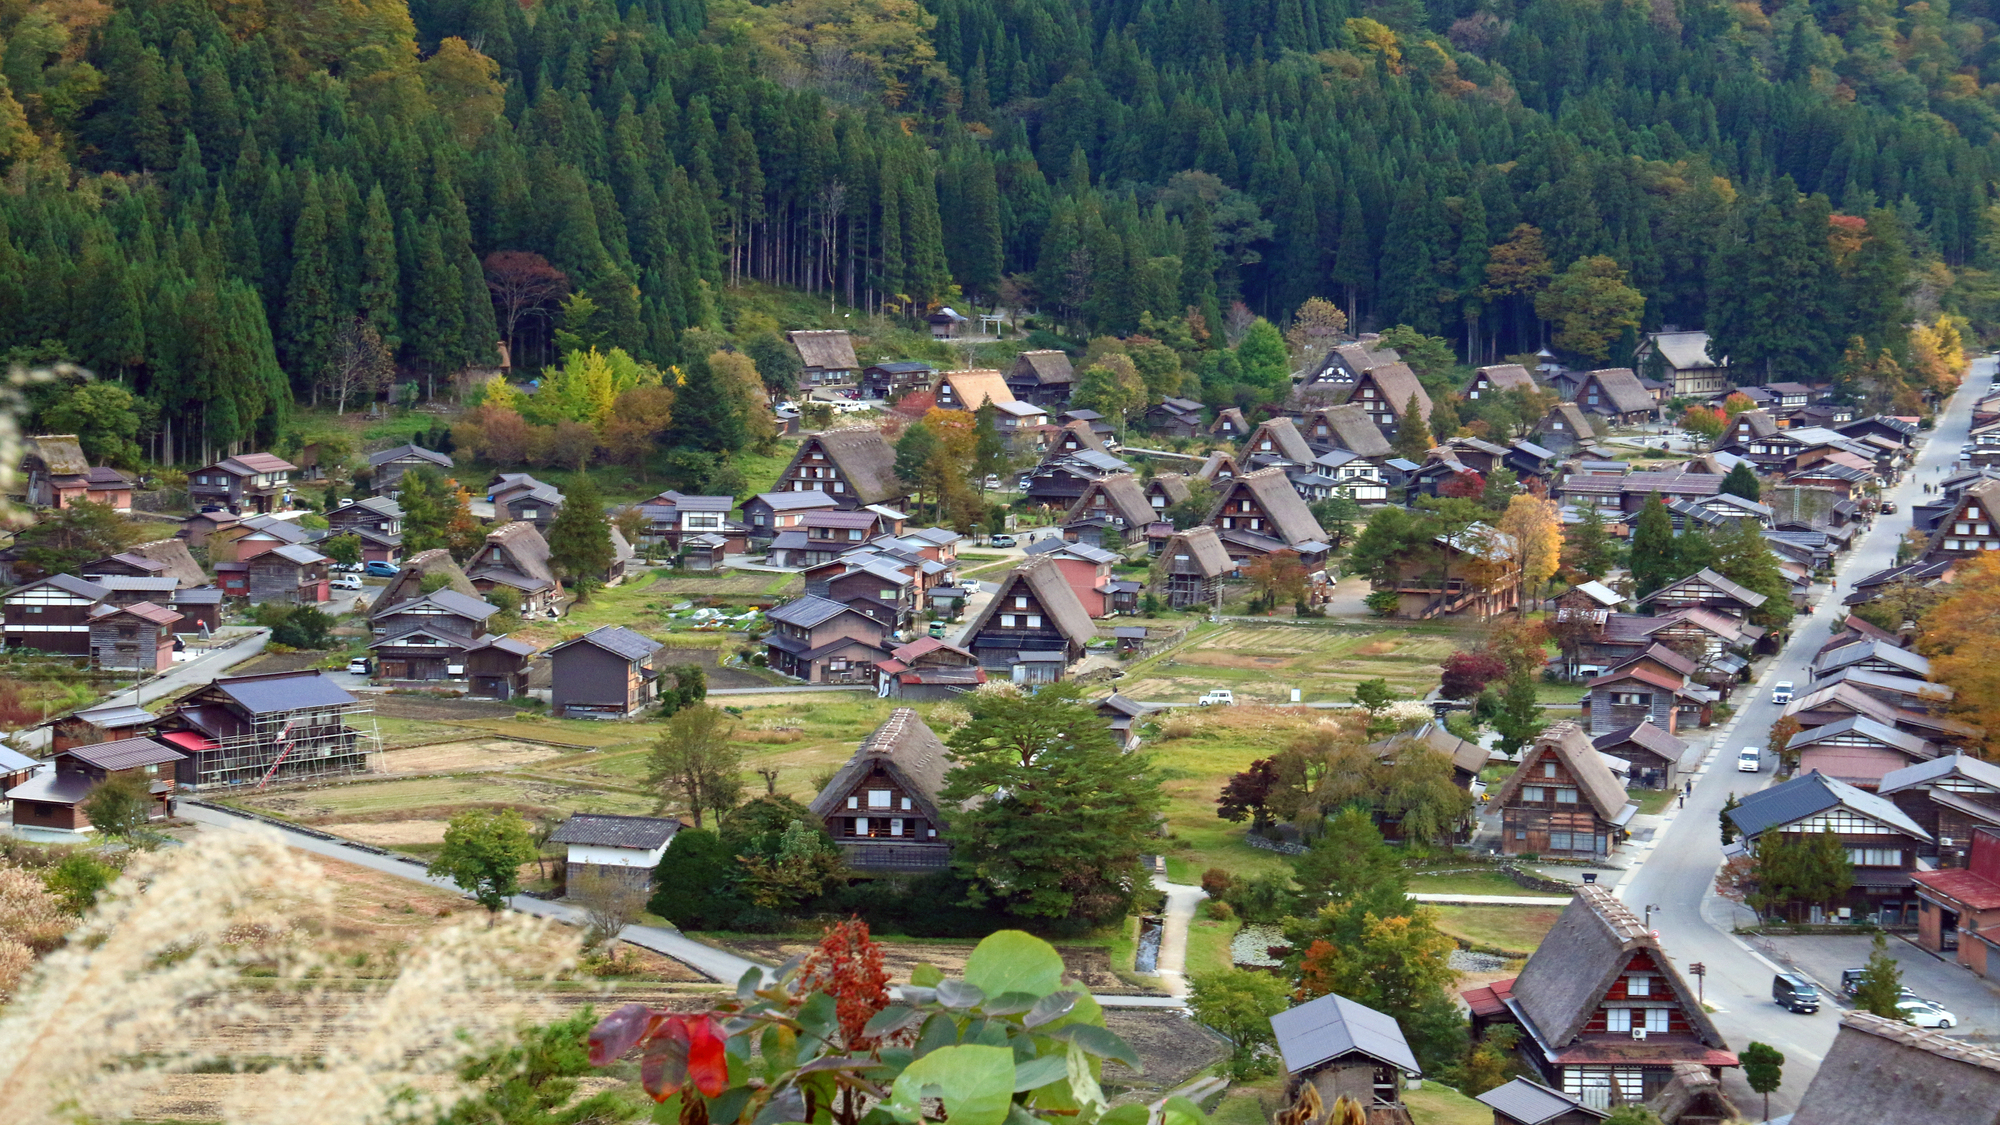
(358, 666)
(346, 582)
(1925, 1013)
(1218, 697)
(1781, 692)
(1750, 760)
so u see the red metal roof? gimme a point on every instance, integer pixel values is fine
(1490, 1001)
(189, 740)
(1976, 892)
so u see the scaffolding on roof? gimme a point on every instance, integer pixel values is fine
(287, 746)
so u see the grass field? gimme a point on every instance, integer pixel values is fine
(1516, 929)
(1465, 883)
(1262, 663)
(1439, 1104)
(1208, 945)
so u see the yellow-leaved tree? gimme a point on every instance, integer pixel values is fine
(1937, 352)
(1960, 635)
(587, 385)
(1533, 530)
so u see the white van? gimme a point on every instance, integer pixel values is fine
(1751, 760)
(1781, 692)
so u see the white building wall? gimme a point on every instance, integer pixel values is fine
(616, 857)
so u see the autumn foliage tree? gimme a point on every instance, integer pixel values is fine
(1247, 794)
(1467, 673)
(1960, 635)
(1704, 421)
(1467, 485)
(847, 965)
(1278, 576)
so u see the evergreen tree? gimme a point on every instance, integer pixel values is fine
(1742, 481)
(309, 312)
(1520, 718)
(1881, 985)
(1413, 435)
(1587, 547)
(580, 536)
(380, 285)
(1198, 263)
(1654, 562)
(1742, 556)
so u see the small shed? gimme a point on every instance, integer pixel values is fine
(624, 848)
(1131, 638)
(1526, 1102)
(1344, 1049)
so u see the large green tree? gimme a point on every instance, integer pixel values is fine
(580, 535)
(1049, 815)
(482, 855)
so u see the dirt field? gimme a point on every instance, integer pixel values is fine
(438, 710)
(1088, 965)
(1262, 663)
(387, 833)
(426, 797)
(447, 757)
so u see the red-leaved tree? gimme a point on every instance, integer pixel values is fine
(1247, 794)
(847, 965)
(1462, 486)
(1467, 673)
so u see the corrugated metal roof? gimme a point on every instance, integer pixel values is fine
(617, 640)
(284, 691)
(124, 754)
(1331, 1026)
(1815, 793)
(1532, 1103)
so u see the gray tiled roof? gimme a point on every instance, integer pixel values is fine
(1532, 1103)
(617, 640)
(125, 754)
(1815, 793)
(604, 830)
(807, 611)
(1921, 773)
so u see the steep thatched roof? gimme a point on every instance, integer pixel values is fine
(1044, 580)
(1884, 1070)
(1397, 383)
(61, 454)
(1173, 487)
(1626, 393)
(979, 385)
(904, 748)
(1046, 367)
(178, 561)
(1347, 427)
(1574, 966)
(1573, 748)
(1505, 377)
(1203, 548)
(516, 548)
(828, 349)
(408, 584)
(1272, 490)
(864, 458)
(1122, 498)
(1278, 437)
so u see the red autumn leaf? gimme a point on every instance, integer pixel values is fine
(706, 1064)
(664, 1066)
(616, 1033)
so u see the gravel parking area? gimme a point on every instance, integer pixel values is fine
(1975, 1002)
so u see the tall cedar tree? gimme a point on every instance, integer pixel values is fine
(580, 535)
(1742, 481)
(1413, 433)
(1052, 815)
(1655, 557)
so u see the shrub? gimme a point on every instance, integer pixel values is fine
(1215, 882)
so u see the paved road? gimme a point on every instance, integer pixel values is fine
(198, 671)
(1678, 875)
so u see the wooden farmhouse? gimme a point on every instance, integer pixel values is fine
(1685, 362)
(1492, 381)
(1034, 626)
(896, 378)
(376, 521)
(1195, 567)
(1111, 509)
(1384, 392)
(1472, 573)
(1259, 513)
(51, 801)
(610, 672)
(1947, 797)
(1656, 686)
(1563, 800)
(1704, 589)
(1617, 395)
(1229, 425)
(1883, 844)
(1565, 429)
(1656, 758)
(1346, 1050)
(133, 638)
(854, 466)
(254, 481)
(516, 556)
(518, 496)
(386, 467)
(242, 730)
(57, 475)
(969, 390)
(927, 669)
(1044, 378)
(822, 641)
(882, 806)
(1603, 1012)
(1859, 750)
(1972, 526)
(104, 723)
(827, 357)
(52, 615)
(1176, 417)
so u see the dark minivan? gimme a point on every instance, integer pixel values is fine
(1795, 992)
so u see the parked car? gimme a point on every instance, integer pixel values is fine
(1795, 993)
(1888, 507)
(1925, 1013)
(380, 569)
(1001, 541)
(992, 482)
(358, 666)
(1217, 697)
(346, 582)
(1782, 692)
(1751, 760)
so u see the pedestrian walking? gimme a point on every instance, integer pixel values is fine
(1684, 800)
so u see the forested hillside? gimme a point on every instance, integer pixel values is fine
(205, 198)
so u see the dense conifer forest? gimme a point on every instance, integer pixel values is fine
(209, 199)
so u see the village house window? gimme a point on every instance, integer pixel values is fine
(527, 513)
(839, 487)
(1548, 769)
(1639, 984)
(906, 804)
(1875, 857)
(1034, 621)
(853, 802)
(1533, 793)
(1617, 1019)
(1006, 621)
(1951, 545)
(1020, 603)
(878, 798)
(896, 826)
(1565, 796)
(1631, 699)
